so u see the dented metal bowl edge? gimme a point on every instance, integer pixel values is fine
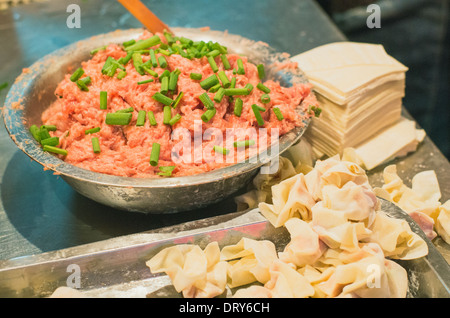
(33, 91)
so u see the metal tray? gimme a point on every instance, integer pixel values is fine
(116, 268)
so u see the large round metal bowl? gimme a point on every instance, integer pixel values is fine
(33, 91)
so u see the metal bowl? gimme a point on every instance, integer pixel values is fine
(33, 92)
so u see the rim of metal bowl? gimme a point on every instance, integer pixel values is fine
(18, 128)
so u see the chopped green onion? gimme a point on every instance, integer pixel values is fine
(213, 64)
(148, 70)
(173, 79)
(92, 130)
(167, 115)
(240, 69)
(174, 119)
(219, 95)
(126, 59)
(145, 81)
(215, 88)
(186, 41)
(153, 59)
(213, 53)
(209, 82)
(164, 85)
(137, 62)
(118, 118)
(98, 49)
(162, 99)
(177, 100)
(261, 109)
(166, 171)
(125, 110)
(206, 116)
(108, 62)
(265, 98)
(103, 99)
(128, 43)
(244, 143)
(236, 91)
(144, 44)
(121, 74)
(224, 79)
(162, 61)
(95, 144)
(151, 118)
(196, 76)
(166, 73)
(278, 113)
(141, 118)
(77, 74)
(169, 37)
(261, 71)
(83, 83)
(256, 110)
(55, 150)
(315, 110)
(49, 127)
(238, 107)
(226, 63)
(263, 88)
(165, 52)
(154, 156)
(233, 82)
(34, 130)
(249, 86)
(43, 134)
(52, 141)
(221, 150)
(206, 100)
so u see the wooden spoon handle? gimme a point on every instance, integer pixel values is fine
(145, 16)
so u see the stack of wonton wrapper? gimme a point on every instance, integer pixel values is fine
(360, 89)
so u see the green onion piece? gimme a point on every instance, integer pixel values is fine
(83, 83)
(263, 88)
(249, 86)
(141, 118)
(52, 141)
(144, 44)
(213, 53)
(43, 134)
(95, 144)
(196, 76)
(221, 150)
(121, 74)
(209, 82)
(213, 64)
(118, 118)
(154, 156)
(226, 63)
(166, 171)
(186, 41)
(174, 119)
(165, 52)
(92, 130)
(206, 100)
(261, 109)
(125, 110)
(169, 37)
(49, 127)
(240, 69)
(224, 79)
(164, 85)
(164, 74)
(162, 61)
(236, 91)
(177, 100)
(238, 107)
(215, 88)
(167, 115)
(162, 99)
(98, 49)
(103, 99)
(77, 74)
(256, 111)
(244, 143)
(56, 150)
(34, 130)
(151, 118)
(233, 82)
(278, 113)
(315, 110)
(265, 98)
(137, 62)
(148, 70)
(261, 71)
(107, 64)
(219, 95)
(124, 60)
(173, 79)
(145, 81)
(208, 115)
(128, 43)
(153, 59)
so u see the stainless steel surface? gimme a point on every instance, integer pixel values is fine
(40, 212)
(34, 92)
(112, 269)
